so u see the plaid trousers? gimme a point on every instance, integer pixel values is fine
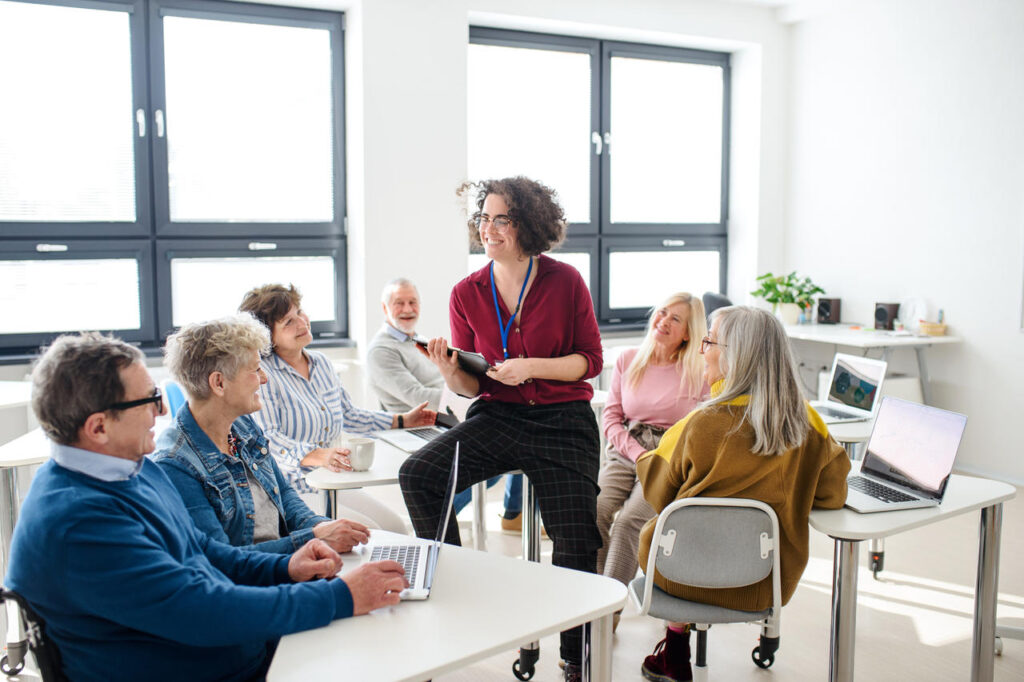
(556, 446)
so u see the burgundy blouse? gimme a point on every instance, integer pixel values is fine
(556, 319)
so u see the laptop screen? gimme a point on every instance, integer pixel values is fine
(914, 446)
(855, 381)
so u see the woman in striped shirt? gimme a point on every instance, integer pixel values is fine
(305, 408)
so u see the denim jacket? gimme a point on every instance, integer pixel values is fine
(216, 491)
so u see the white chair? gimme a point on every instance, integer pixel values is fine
(714, 543)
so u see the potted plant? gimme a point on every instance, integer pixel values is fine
(788, 294)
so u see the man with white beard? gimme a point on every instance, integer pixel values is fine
(399, 373)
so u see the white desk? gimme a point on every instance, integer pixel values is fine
(31, 448)
(415, 641)
(387, 459)
(963, 494)
(843, 335)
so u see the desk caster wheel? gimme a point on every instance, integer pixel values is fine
(525, 666)
(999, 646)
(6, 669)
(877, 563)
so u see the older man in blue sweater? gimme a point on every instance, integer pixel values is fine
(110, 558)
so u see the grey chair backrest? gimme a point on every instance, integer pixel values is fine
(717, 546)
(713, 301)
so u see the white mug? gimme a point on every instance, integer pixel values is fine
(360, 454)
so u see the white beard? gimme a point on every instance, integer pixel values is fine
(409, 329)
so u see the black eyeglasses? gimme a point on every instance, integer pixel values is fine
(501, 223)
(706, 341)
(157, 399)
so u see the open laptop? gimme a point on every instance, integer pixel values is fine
(420, 561)
(909, 458)
(854, 389)
(413, 439)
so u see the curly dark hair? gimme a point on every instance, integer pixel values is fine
(538, 218)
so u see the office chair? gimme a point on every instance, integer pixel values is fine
(713, 301)
(175, 397)
(24, 623)
(714, 543)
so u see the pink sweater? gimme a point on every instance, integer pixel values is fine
(657, 401)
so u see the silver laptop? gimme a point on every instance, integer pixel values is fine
(420, 561)
(854, 389)
(415, 438)
(909, 458)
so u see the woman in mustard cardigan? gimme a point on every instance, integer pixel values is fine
(756, 438)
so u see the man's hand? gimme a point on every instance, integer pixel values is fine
(375, 585)
(342, 535)
(511, 372)
(419, 416)
(313, 560)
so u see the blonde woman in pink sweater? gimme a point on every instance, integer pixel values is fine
(653, 387)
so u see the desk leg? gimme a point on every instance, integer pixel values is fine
(844, 611)
(985, 595)
(8, 519)
(332, 504)
(922, 374)
(597, 650)
(480, 516)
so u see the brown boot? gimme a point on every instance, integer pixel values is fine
(670, 661)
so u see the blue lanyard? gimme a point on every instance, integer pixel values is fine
(502, 327)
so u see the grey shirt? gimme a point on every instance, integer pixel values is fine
(399, 374)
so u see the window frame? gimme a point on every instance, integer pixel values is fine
(600, 236)
(77, 249)
(151, 236)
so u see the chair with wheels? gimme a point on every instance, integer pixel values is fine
(27, 632)
(714, 543)
(175, 397)
(713, 301)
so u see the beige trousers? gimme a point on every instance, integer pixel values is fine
(620, 492)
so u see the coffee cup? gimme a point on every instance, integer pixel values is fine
(360, 454)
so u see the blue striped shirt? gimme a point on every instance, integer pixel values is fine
(299, 416)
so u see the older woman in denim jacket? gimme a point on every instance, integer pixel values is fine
(218, 458)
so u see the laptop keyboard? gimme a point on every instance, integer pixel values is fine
(426, 431)
(407, 555)
(877, 490)
(828, 412)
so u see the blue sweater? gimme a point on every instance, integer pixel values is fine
(130, 589)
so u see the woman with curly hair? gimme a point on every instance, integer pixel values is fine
(532, 319)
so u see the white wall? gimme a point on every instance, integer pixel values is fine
(907, 179)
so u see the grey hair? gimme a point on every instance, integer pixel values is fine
(756, 359)
(78, 375)
(198, 350)
(397, 283)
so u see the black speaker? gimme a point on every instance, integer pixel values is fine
(828, 311)
(885, 313)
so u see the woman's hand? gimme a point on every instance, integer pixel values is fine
(437, 351)
(335, 459)
(418, 416)
(512, 372)
(342, 535)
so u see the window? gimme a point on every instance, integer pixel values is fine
(202, 152)
(634, 138)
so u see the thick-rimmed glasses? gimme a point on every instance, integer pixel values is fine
(156, 399)
(501, 223)
(706, 342)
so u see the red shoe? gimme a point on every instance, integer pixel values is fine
(670, 661)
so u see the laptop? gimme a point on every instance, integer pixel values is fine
(909, 458)
(854, 389)
(415, 438)
(420, 561)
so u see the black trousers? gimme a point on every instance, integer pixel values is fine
(556, 446)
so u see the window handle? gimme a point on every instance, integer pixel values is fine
(140, 119)
(262, 246)
(608, 141)
(51, 248)
(158, 121)
(595, 138)
(673, 242)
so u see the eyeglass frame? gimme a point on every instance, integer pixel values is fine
(706, 341)
(156, 399)
(479, 220)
